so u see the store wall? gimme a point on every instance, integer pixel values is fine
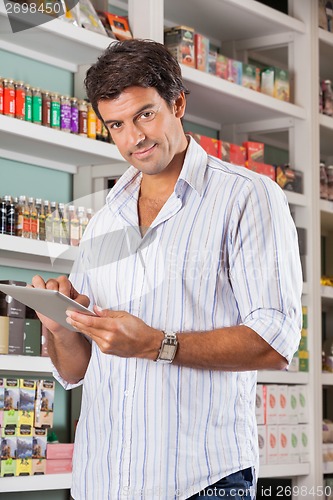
(25, 179)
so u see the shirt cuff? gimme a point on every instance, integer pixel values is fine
(66, 385)
(280, 331)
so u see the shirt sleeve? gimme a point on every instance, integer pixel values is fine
(264, 265)
(79, 277)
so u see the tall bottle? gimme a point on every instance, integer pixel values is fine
(41, 220)
(64, 224)
(33, 219)
(56, 224)
(83, 221)
(26, 220)
(10, 216)
(3, 216)
(74, 228)
(48, 210)
(20, 215)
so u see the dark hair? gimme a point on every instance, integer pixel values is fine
(140, 63)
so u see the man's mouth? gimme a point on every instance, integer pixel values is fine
(143, 153)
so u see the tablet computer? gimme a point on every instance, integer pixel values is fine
(51, 303)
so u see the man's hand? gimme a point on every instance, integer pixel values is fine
(63, 285)
(118, 333)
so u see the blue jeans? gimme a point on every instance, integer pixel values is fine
(236, 486)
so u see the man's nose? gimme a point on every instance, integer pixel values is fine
(135, 134)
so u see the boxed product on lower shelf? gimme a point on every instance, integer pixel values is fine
(26, 415)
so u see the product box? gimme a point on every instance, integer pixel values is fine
(262, 442)
(235, 71)
(222, 66)
(327, 431)
(43, 341)
(303, 404)
(304, 445)
(59, 451)
(303, 361)
(237, 154)
(283, 409)
(305, 316)
(281, 85)
(44, 403)
(325, 15)
(251, 77)
(32, 337)
(4, 334)
(10, 306)
(119, 26)
(8, 456)
(303, 344)
(26, 407)
(254, 151)
(272, 394)
(209, 144)
(39, 443)
(261, 404)
(212, 58)
(293, 397)
(267, 77)
(201, 49)
(180, 42)
(284, 445)
(2, 400)
(11, 402)
(294, 444)
(272, 440)
(16, 335)
(289, 179)
(24, 456)
(60, 466)
(261, 168)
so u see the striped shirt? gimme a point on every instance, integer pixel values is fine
(221, 252)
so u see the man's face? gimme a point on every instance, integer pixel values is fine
(147, 132)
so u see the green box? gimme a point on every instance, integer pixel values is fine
(32, 337)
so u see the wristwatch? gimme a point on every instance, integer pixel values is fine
(168, 348)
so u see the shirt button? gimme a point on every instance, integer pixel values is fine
(126, 393)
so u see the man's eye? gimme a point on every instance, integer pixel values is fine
(148, 115)
(115, 125)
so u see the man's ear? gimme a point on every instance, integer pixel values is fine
(180, 105)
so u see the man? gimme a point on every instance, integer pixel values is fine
(192, 269)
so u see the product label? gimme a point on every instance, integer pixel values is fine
(9, 102)
(65, 117)
(20, 104)
(28, 108)
(74, 120)
(55, 114)
(37, 109)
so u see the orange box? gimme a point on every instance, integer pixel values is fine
(59, 451)
(254, 151)
(119, 26)
(262, 168)
(209, 144)
(237, 154)
(58, 466)
(201, 48)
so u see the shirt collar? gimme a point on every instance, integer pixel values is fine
(194, 168)
(192, 173)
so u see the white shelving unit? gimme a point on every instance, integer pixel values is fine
(35, 365)
(240, 26)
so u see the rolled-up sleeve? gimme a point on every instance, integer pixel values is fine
(264, 265)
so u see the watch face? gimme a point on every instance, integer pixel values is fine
(168, 351)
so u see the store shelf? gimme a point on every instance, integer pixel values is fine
(325, 52)
(284, 470)
(33, 254)
(35, 365)
(296, 198)
(327, 378)
(37, 144)
(34, 483)
(326, 132)
(228, 103)
(216, 18)
(326, 215)
(282, 377)
(326, 293)
(328, 467)
(56, 42)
